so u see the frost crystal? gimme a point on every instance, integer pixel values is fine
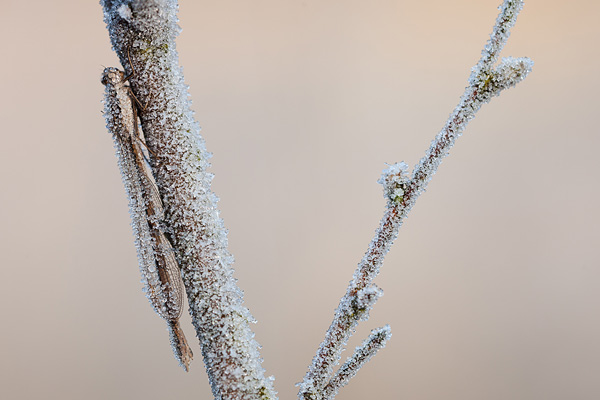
(125, 12)
(395, 180)
(510, 72)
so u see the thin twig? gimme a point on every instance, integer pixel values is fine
(362, 354)
(402, 191)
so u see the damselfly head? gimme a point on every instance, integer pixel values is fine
(112, 76)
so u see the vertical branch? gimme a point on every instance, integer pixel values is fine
(402, 191)
(146, 29)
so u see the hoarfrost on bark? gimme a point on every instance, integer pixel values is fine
(191, 218)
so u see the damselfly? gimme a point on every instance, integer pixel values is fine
(160, 271)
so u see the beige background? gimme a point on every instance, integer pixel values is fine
(491, 289)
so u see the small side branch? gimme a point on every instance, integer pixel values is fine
(402, 190)
(362, 354)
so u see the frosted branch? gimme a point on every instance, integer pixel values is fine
(401, 191)
(500, 33)
(351, 310)
(146, 29)
(362, 354)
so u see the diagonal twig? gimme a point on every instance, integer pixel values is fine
(402, 190)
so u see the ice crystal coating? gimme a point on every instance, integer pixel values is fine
(484, 83)
(125, 12)
(509, 9)
(362, 354)
(402, 190)
(394, 180)
(508, 73)
(191, 217)
(353, 308)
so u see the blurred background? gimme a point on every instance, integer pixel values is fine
(491, 290)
